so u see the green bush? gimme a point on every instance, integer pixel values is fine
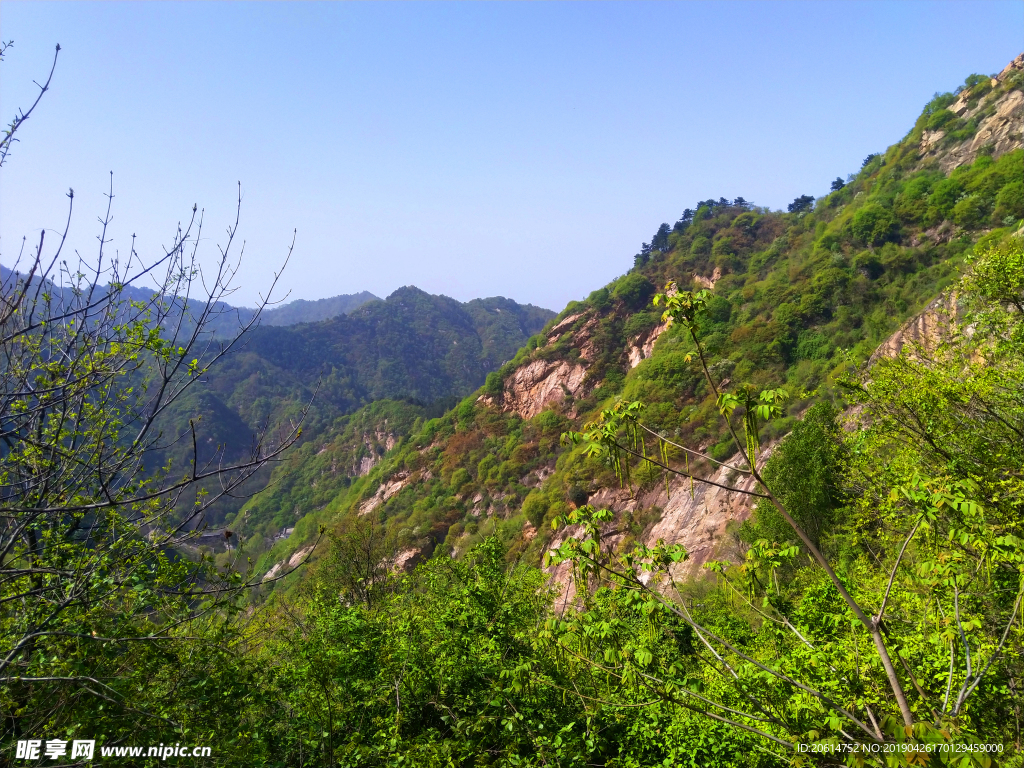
(701, 246)
(639, 323)
(535, 507)
(634, 290)
(874, 225)
(466, 411)
(974, 80)
(970, 212)
(493, 384)
(813, 345)
(939, 119)
(487, 463)
(944, 196)
(460, 477)
(718, 310)
(600, 299)
(1009, 203)
(806, 472)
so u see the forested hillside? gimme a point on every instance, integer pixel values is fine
(796, 298)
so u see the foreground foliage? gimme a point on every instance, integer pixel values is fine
(910, 630)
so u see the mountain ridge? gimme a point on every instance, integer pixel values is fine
(794, 296)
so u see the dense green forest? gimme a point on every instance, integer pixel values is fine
(482, 585)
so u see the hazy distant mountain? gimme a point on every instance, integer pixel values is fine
(229, 318)
(302, 311)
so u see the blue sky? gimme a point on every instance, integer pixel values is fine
(472, 149)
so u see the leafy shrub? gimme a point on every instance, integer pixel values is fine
(460, 477)
(970, 212)
(943, 197)
(466, 411)
(634, 290)
(718, 310)
(493, 384)
(746, 221)
(813, 345)
(551, 422)
(971, 81)
(535, 507)
(599, 299)
(724, 252)
(939, 102)
(939, 119)
(874, 225)
(638, 323)
(806, 473)
(1009, 203)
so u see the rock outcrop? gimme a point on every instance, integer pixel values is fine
(539, 384)
(998, 133)
(698, 517)
(293, 562)
(708, 282)
(377, 444)
(641, 347)
(387, 489)
(924, 331)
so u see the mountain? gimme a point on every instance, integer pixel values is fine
(870, 601)
(227, 319)
(411, 345)
(303, 311)
(335, 356)
(421, 350)
(796, 297)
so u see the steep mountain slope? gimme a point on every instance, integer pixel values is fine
(796, 297)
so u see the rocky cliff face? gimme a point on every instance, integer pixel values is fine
(701, 517)
(1000, 115)
(541, 384)
(924, 331)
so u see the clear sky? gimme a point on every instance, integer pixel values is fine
(471, 149)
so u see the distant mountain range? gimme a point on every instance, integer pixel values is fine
(230, 318)
(424, 350)
(338, 355)
(303, 311)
